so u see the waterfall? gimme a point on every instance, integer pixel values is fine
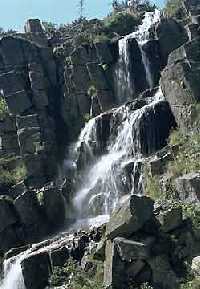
(13, 278)
(124, 80)
(105, 182)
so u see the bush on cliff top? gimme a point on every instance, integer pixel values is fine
(122, 23)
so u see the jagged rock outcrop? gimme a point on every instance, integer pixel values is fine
(188, 187)
(171, 35)
(180, 84)
(151, 253)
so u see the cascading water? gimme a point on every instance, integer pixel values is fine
(125, 86)
(13, 278)
(106, 181)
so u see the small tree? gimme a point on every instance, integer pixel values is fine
(81, 6)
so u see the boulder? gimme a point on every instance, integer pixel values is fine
(27, 121)
(8, 125)
(8, 215)
(9, 143)
(31, 215)
(59, 256)
(33, 26)
(171, 35)
(180, 83)
(130, 217)
(54, 206)
(170, 219)
(130, 250)
(36, 270)
(29, 139)
(18, 102)
(188, 187)
(162, 274)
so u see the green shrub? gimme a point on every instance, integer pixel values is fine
(152, 185)
(3, 108)
(12, 177)
(172, 7)
(101, 38)
(86, 117)
(92, 91)
(121, 23)
(79, 279)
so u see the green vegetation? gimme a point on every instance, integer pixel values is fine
(92, 91)
(195, 115)
(192, 211)
(3, 108)
(152, 186)
(122, 23)
(194, 284)
(86, 117)
(10, 176)
(172, 8)
(79, 279)
(186, 155)
(185, 151)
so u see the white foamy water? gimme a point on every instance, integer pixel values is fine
(104, 182)
(124, 80)
(13, 278)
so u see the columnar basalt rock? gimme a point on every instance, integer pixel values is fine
(180, 84)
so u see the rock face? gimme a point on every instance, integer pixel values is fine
(36, 270)
(188, 187)
(171, 35)
(150, 253)
(27, 82)
(180, 83)
(130, 217)
(91, 65)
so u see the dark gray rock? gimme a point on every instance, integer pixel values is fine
(54, 205)
(162, 274)
(171, 35)
(33, 26)
(188, 187)
(180, 83)
(27, 121)
(36, 270)
(59, 256)
(129, 217)
(8, 215)
(171, 219)
(29, 139)
(31, 215)
(130, 250)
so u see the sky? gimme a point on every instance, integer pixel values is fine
(14, 13)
